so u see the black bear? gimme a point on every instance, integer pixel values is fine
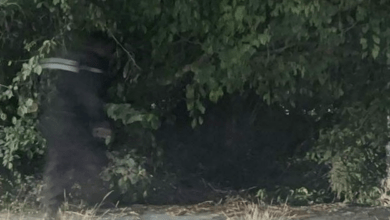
(73, 121)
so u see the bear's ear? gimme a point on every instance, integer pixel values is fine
(101, 44)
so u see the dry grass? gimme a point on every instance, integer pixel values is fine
(253, 212)
(89, 214)
(244, 210)
(237, 211)
(19, 211)
(11, 214)
(234, 208)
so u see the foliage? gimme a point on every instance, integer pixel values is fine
(326, 60)
(19, 195)
(354, 148)
(21, 138)
(127, 175)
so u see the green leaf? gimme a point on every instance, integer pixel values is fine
(190, 105)
(240, 13)
(107, 140)
(216, 94)
(134, 118)
(363, 42)
(375, 51)
(38, 70)
(376, 39)
(14, 120)
(194, 123)
(190, 92)
(3, 116)
(292, 103)
(8, 94)
(126, 69)
(267, 98)
(155, 123)
(361, 13)
(200, 107)
(264, 38)
(29, 102)
(200, 120)
(327, 155)
(22, 110)
(364, 54)
(145, 194)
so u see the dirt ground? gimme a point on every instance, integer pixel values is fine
(212, 211)
(339, 212)
(336, 211)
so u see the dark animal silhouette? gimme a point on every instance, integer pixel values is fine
(74, 123)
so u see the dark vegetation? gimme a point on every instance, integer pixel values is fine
(282, 98)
